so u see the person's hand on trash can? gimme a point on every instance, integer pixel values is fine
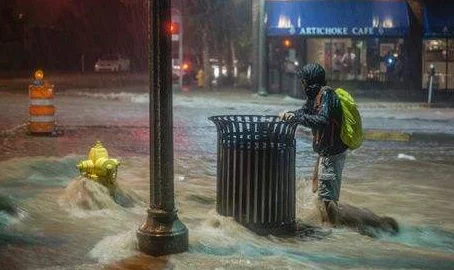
(286, 116)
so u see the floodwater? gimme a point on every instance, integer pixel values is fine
(67, 222)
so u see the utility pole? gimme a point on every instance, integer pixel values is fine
(177, 18)
(258, 29)
(162, 233)
(413, 64)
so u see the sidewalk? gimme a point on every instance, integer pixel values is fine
(382, 120)
(365, 101)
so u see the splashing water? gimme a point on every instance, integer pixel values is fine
(76, 222)
(123, 96)
(84, 196)
(116, 247)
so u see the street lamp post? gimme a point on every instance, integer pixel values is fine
(162, 233)
(431, 74)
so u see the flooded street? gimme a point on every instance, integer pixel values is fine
(67, 222)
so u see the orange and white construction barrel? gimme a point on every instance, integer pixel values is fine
(41, 109)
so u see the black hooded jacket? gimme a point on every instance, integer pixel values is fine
(323, 114)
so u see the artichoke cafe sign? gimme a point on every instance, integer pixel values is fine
(336, 31)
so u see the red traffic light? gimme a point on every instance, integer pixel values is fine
(174, 28)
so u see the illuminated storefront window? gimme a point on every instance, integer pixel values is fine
(363, 59)
(440, 53)
(353, 40)
(438, 47)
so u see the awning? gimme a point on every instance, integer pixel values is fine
(336, 18)
(439, 19)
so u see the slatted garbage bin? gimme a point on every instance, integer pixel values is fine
(256, 171)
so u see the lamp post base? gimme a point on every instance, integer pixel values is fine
(162, 234)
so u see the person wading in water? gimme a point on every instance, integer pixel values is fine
(323, 114)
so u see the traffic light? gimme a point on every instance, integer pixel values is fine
(174, 28)
(287, 43)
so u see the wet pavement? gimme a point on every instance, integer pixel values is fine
(408, 117)
(409, 179)
(84, 114)
(120, 118)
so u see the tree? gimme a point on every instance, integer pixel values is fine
(221, 28)
(199, 19)
(235, 35)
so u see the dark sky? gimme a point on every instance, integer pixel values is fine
(46, 11)
(41, 11)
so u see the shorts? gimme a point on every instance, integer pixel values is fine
(330, 176)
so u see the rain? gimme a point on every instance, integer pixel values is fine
(95, 58)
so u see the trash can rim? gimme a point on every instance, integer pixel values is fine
(275, 118)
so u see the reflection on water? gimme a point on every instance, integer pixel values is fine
(67, 222)
(425, 236)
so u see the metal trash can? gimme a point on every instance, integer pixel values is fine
(256, 171)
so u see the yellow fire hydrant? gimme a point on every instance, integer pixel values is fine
(99, 167)
(200, 78)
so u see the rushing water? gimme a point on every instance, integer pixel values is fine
(68, 222)
(54, 219)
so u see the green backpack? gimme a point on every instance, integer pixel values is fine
(351, 129)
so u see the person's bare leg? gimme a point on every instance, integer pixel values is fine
(332, 211)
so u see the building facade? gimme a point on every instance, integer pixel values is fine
(438, 44)
(362, 43)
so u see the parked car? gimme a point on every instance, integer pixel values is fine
(113, 62)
